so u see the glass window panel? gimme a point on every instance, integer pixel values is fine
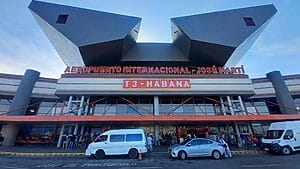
(200, 109)
(132, 110)
(262, 109)
(165, 108)
(188, 109)
(145, 109)
(179, 109)
(251, 110)
(47, 104)
(121, 109)
(260, 103)
(248, 104)
(4, 108)
(134, 137)
(101, 138)
(43, 110)
(58, 109)
(117, 138)
(99, 108)
(111, 109)
(209, 109)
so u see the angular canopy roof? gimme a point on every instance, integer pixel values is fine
(91, 38)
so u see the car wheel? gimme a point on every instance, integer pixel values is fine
(182, 155)
(216, 154)
(133, 154)
(286, 150)
(100, 154)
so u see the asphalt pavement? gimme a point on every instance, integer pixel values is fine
(36, 150)
(155, 161)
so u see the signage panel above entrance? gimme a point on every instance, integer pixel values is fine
(153, 70)
(149, 83)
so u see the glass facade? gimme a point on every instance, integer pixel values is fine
(123, 106)
(4, 105)
(188, 106)
(49, 109)
(37, 134)
(297, 105)
(257, 107)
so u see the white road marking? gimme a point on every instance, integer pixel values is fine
(150, 167)
(262, 165)
(8, 167)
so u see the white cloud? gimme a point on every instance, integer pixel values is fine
(279, 49)
(16, 55)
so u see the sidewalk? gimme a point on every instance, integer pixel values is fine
(38, 150)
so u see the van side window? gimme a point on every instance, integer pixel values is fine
(117, 138)
(134, 137)
(101, 138)
(288, 135)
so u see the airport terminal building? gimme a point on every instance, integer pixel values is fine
(190, 86)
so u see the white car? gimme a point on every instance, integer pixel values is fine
(197, 147)
(118, 142)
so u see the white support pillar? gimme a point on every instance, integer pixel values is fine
(242, 105)
(222, 106)
(60, 136)
(69, 104)
(156, 106)
(230, 105)
(81, 133)
(249, 128)
(238, 139)
(81, 106)
(75, 129)
(156, 133)
(87, 106)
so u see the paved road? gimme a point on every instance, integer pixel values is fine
(157, 161)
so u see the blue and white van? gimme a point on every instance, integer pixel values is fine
(118, 142)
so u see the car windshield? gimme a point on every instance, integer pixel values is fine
(101, 138)
(274, 134)
(185, 141)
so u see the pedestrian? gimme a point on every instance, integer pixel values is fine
(149, 143)
(232, 139)
(71, 142)
(160, 139)
(243, 140)
(226, 147)
(189, 136)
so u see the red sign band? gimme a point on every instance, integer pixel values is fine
(170, 83)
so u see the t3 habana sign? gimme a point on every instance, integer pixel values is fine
(153, 70)
(157, 83)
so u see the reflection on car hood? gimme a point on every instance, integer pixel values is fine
(174, 146)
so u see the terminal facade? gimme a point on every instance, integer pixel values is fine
(190, 86)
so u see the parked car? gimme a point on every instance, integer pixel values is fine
(282, 137)
(197, 147)
(118, 142)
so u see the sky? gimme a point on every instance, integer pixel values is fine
(23, 45)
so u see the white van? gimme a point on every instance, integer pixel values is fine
(283, 137)
(118, 142)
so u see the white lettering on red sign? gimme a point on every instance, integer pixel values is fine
(173, 83)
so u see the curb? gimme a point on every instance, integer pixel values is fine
(233, 152)
(41, 154)
(248, 152)
(82, 154)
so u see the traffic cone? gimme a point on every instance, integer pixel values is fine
(140, 158)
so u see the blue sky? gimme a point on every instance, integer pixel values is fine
(24, 45)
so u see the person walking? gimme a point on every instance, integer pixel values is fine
(149, 143)
(227, 150)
